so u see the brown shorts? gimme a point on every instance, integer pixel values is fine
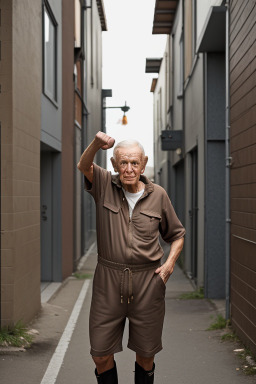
(145, 311)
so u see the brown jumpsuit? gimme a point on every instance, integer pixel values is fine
(125, 285)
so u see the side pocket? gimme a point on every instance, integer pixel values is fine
(161, 282)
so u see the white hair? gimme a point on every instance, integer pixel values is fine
(128, 144)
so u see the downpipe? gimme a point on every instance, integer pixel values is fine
(227, 173)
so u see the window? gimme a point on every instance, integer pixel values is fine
(49, 53)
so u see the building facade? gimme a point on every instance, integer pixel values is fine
(208, 73)
(49, 110)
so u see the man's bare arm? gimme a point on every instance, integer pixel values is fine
(167, 268)
(101, 141)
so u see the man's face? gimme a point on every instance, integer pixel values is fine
(130, 164)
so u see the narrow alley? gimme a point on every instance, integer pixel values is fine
(124, 123)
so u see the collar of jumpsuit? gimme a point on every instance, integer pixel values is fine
(149, 187)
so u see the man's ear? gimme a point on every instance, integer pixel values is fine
(145, 160)
(114, 164)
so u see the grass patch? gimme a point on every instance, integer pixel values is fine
(15, 336)
(219, 323)
(199, 294)
(249, 371)
(83, 276)
(229, 337)
(248, 361)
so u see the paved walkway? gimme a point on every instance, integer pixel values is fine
(191, 355)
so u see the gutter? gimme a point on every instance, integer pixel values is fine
(228, 164)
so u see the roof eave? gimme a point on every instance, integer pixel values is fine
(164, 16)
(102, 15)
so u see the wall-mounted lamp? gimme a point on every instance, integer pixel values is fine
(125, 109)
(172, 140)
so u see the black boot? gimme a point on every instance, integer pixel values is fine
(107, 377)
(142, 376)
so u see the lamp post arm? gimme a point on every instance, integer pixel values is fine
(112, 107)
(124, 108)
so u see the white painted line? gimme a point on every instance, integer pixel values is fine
(54, 366)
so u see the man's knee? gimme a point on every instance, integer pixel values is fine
(103, 363)
(145, 362)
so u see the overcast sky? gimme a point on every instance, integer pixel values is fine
(126, 45)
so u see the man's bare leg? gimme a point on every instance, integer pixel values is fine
(103, 363)
(145, 362)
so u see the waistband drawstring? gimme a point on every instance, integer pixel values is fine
(130, 268)
(130, 294)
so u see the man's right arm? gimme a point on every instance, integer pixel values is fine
(101, 141)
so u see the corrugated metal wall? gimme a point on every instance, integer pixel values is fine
(243, 169)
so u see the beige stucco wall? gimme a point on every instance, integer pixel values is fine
(94, 68)
(94, 74)
(161, 104)
(20, 102)
(194, 137)
(177, 69)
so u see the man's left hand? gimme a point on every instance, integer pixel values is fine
(167, 268)
(165, 272)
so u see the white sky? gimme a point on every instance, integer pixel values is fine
(126, 45)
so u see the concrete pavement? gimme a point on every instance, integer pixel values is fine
(191, 355)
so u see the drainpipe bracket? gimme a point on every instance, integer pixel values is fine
(228, 162)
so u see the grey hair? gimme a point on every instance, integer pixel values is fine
(128, 144)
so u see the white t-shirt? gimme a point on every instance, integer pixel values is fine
(132, 199)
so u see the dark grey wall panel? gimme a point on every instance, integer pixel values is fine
(216, 96)
(215, 177)
(215, 220)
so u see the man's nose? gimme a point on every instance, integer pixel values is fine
(129, 167)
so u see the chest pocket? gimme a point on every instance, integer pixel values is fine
(111, 207)
(150, 223)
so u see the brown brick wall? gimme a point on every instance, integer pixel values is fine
(20, 115)
(67, 138)
(243, 170)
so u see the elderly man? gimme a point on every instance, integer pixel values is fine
(129, 280)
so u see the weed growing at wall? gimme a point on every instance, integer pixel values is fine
(15, 336)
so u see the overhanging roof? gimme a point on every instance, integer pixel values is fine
(153, 65)
(212, 38)
(164, 16)
(102, 15)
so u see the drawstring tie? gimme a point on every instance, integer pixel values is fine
(130, 294)
(130, 269)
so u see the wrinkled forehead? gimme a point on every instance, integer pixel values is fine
(129, 153)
